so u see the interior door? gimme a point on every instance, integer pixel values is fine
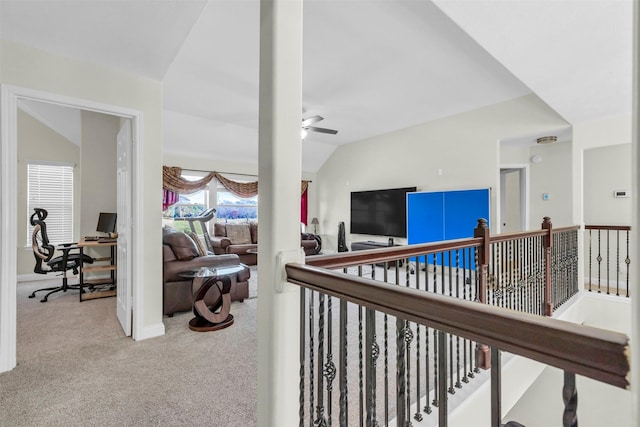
(123, 164)
(511, 215)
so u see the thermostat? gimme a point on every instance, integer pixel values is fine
(620, 193)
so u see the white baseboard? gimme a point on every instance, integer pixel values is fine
(33, 277)
(151, 331)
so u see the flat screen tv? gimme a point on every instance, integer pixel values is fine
(380, 212)
(106, 222)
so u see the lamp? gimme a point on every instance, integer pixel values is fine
(315, 223)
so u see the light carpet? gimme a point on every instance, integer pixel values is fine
(76, 367)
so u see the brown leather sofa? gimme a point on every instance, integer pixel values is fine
(180, 254)
(242, 240)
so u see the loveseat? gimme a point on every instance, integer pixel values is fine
(242, 240)
(180, 253)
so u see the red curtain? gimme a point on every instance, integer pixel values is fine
(169, 198)
(303, 208)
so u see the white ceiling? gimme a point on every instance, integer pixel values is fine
(369, 67)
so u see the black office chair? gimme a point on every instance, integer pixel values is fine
(43, 252)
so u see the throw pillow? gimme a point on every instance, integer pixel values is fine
(201, 249)
(239, 234)
(219, 229)
(182, 245)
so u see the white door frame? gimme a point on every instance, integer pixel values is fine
(524, 194)
(9, 96)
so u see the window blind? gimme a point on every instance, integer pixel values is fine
(50, 187)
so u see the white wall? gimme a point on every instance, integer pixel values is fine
(39, 143)
(607, 169)
(596, 133)
(98, 168)
(551, 176)
(39, 70)
(465, 147)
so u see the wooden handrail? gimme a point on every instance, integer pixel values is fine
(608, 227)
(565, 229)
(595, 353)
(391, 253)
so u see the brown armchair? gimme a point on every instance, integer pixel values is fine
(180, 254)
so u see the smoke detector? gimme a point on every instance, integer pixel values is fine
(547, 139)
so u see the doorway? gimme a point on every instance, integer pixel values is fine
(10, 96)
(514, 196)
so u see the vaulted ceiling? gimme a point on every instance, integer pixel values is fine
(369, 67)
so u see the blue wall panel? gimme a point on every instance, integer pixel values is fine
(445, 215)
(463, 208)
(425, 214)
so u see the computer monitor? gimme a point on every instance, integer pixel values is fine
(107, 222)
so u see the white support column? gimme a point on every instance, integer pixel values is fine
(635, 224)
(279, 210)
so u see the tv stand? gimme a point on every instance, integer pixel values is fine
(369, 244)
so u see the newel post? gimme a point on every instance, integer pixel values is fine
(482, 230)
(548, 244)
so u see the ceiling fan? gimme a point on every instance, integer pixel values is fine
(311, 120)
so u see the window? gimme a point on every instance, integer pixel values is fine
(188, 205)
(229, 207)
(50, 187)
(232, 208)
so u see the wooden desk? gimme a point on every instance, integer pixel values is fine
(99, 287)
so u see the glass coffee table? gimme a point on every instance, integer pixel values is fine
(216, 316)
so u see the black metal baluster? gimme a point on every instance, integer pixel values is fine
(360, 368)
(472, 353)
(608, 258)
(466, 275)
(372, 352)
(599, 259)
(418, 415)
(386, 361)
(590, 259)
(532, 273)
(408, 337)
(303, 316)
(570, 398)
(627, 261)
(496, 388)
(344, 407)
(427, 406)
(435, 336)
(451, 389)
(401, 409)
(458, 383)
(361, 360)
(320, 417)
(436, 374)
(386, 371)
(311, 358)
(329, 366)
(617, 262)
(442, 385)
(427, 367)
